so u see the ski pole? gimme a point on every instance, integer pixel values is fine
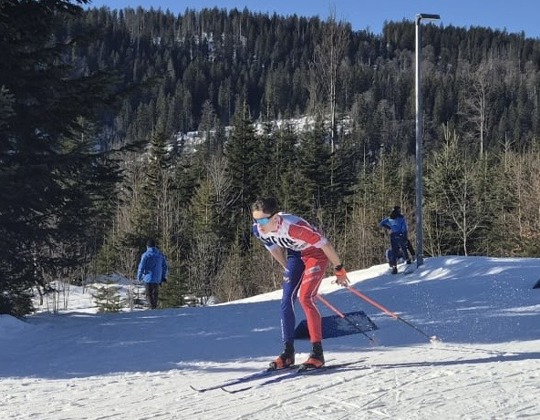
(432, 338)
(343, 316)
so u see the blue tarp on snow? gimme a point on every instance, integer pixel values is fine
(335, 326)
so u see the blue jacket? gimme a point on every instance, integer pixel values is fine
(153, 266)
(397, 225)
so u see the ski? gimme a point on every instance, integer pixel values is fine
(408, 270)
(298, 372)
(243, 379)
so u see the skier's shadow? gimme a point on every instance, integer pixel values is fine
(354, 366)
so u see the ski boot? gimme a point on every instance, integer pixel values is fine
(315, 359)
(394, 270)
(285, 359)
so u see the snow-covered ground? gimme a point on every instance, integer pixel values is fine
(140, 365)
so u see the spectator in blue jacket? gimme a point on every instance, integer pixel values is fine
(153, 271)
(399, 242)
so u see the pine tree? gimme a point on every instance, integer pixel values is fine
(107, 297)
(457, 200)
(172, 294)
(47, 170)
(244, 165)
(378, 189)
(314, 168)
(282, 174)
(146, 218)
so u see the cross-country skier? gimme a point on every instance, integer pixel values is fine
(304, 253)
(399, 241)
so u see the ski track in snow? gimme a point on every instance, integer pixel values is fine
(374, 393)
(140, 365)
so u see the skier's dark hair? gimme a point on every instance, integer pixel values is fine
(267, 205)
(151, 243)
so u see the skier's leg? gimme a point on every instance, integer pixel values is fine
(291, 281)
(153, 291)
(394, 244)
(313, 274)
(388, 255)
(403, 244)
(156, 295)
(148, 292)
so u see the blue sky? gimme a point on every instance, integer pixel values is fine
(511, 15)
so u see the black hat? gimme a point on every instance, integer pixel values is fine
(395, 213)
(150, 243)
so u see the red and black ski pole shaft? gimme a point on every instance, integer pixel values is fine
(388, 312)
(345, 317)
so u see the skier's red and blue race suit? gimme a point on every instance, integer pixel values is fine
(306, 267)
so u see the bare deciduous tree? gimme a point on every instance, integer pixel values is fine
(325, 74)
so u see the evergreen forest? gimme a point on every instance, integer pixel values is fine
(121, 125)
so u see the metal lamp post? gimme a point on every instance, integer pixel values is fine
(419, 127)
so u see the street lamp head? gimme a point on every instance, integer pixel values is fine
(427, 16)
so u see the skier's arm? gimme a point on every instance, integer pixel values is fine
(279, 255)
(331, 254)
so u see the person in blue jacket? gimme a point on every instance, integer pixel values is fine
(399, 242)
(153, 271)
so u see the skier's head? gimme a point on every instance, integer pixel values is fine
(263, 211)
(150, 243)
(266, 205)
(396, 212)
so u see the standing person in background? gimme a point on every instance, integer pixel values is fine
(279, 232)
(399, 241)
(153, 271)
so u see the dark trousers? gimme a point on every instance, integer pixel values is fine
(399, 244)
(291, 281)
(152, 292)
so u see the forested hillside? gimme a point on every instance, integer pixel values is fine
(123, 86)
